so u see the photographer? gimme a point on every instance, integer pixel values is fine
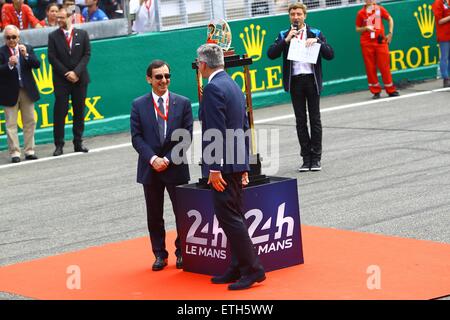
(375, 46)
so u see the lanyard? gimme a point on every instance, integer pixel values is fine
(19, 17)
(166, 116)
(68, 39)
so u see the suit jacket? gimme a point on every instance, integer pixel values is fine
(145, 137)
(9, 79)
(222, 108)
(281, 47)
(64, 60)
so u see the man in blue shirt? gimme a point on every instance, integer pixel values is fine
(92, 12)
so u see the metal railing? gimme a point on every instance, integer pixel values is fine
(178, 14)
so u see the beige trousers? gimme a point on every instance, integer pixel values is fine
(26, 107)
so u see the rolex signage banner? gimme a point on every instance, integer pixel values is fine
(118, 66)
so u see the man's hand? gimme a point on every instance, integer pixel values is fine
(245, 180)
(160, 164)
(22, 50)
(72, 76)
(12, 61)
(310, 41)
(389, 38)
(370, 28)
(216, 180)
(290, 35)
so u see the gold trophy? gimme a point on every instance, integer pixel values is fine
(219, 32)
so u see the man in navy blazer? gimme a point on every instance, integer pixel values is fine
(154, 118)
(225, 158)
(18, 91)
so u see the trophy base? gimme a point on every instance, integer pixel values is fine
(229, 52)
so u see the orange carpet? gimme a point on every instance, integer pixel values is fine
(336, 264)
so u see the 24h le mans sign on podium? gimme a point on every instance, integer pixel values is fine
(273, 219)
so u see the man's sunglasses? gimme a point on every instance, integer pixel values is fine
(10, 37)
(160, 76)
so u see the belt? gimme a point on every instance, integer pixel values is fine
(302, 75)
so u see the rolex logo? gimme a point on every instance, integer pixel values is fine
(425, 20)
(44, 77)
(253, 41)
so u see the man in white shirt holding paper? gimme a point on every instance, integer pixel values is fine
(303, 80)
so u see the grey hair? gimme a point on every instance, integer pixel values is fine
(211, 54)
(11, 27)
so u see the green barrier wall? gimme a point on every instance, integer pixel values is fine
(118, 65)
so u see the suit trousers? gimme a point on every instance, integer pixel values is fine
(228, 208)
(304, 94)
(154, 199)
(78, 94)
(26, 108)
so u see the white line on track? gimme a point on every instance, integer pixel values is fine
(272, 119)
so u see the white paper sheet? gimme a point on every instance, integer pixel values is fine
(299, 52)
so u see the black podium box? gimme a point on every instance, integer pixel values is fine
(273, 219)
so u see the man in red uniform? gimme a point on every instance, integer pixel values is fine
(375, 46)
(20, 15)
(441, 9)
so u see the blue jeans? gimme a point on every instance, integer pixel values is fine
(445, 56)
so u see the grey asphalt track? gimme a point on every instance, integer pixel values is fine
(385, 170)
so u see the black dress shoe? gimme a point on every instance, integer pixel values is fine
(306, 166)
(159, 264)
(179, 263)
(31, 157)
(376, 96)
(58, 151)
(15, 159)
(80, 148)
(316, 166)
(246, 282)
(230, 276)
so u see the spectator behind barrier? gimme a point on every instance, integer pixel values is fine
(92, 12)
(20, 15)
(144, 11)
(51, 12)
(40, 8)
(76, 17)
(2, 2)
(112, 8)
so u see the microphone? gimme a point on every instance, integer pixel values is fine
(295, 26)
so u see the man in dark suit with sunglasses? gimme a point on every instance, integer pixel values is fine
(156, 118)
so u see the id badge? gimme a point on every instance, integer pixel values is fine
(372, 35)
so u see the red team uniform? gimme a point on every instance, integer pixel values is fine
(24, 19)
(375, 49)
